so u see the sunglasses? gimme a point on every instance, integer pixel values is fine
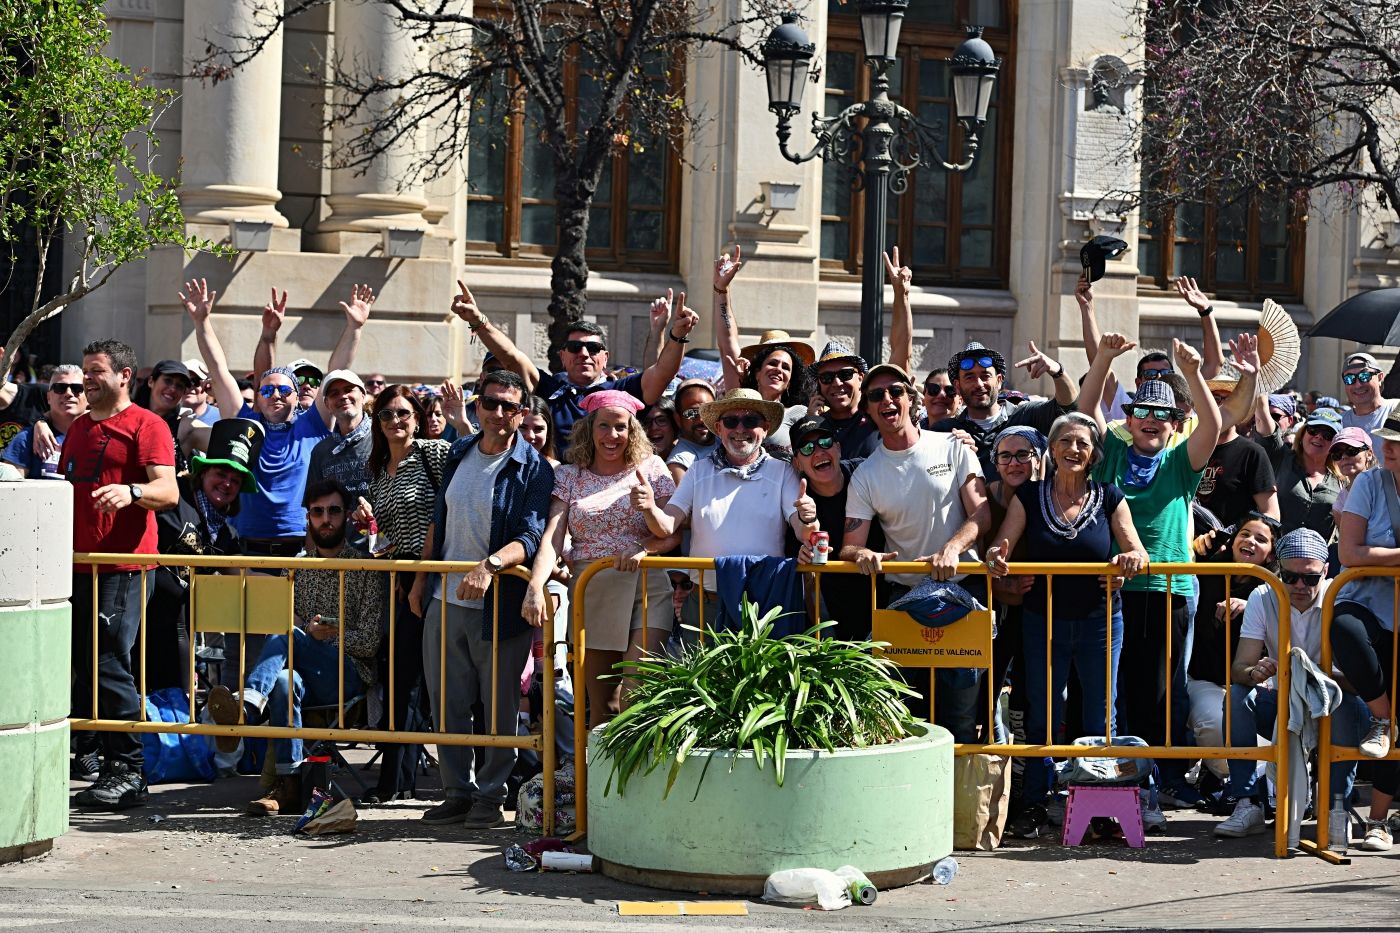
(691, 414)
(845, 374)
(1153, 373)
(70, 388)
(1315, 430)
(1161, 414)
(1307, 579)
(499, 404)
(579, 346)
(748, 421)
(1366, 375)
(878, 394)
(1341, 453)
(316, 511)
(986, 362)
(393, 414)
(1019, 456)
(310, 382)
(810, 447)
(279, 389)
(377, 382)
(934, 389)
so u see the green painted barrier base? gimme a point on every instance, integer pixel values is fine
(34, 773)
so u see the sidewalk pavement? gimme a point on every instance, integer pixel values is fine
(205, 860)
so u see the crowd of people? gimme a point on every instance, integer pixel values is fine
(552, 469)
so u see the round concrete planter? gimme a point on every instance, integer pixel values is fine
(886, 810)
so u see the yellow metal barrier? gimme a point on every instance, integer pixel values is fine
(260, 604)
(1327, 753)
(968, 643)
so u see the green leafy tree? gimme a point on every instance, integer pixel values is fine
(77, 143)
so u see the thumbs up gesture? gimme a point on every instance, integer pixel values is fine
(996, 559)
(805, 505)
(643, 496)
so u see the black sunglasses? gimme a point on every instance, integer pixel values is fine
(845, 374)
(933, 388)
(393, 414)
(1308, 579)
(319, 510)
(748, 421)
(1161, 414)
(967, 362)
(578, 346)
(810, 447)
(1153, 373)
(497, 404)
(878, 394)
(70, 388)
(1342, 452)
(1365, 375)
(1313, 430)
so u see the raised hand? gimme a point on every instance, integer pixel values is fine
(1115, 345)
(642, 495)
(660, 313)
(453, 400)
(1038, 364)
(685, 319)
(200, 300)
(1186, 288)
(726, 268)
(357, 311)
(1187, 357)
(274, 313)
(805, 505)
(901, 277)
(1244, 352)
(1084, 292)
(464, 305)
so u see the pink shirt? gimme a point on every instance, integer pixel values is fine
(601, 521)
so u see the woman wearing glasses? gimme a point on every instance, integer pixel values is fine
(405, 471)
(1307, 487)
(1349, 456)
(1069, 516)
(940, 398)
(608, 456)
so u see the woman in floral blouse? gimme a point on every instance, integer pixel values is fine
(608, 451)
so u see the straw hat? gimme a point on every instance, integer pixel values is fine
(737, 399)
(780, 338)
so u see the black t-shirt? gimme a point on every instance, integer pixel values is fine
(847, 596)
(857, 436)
(1208, 646)
(31, 403)
(1237, 471)
(1039, 415)
(1075, 597)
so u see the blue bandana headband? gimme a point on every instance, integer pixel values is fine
(1302, 542)
(1032, 436)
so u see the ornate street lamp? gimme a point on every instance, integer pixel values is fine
(893, 143)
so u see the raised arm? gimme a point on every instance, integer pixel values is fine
(902, 319)
(657, 376)
(660, 319)
(356, 316)
(465, 307)
(1213, 354)
(661, 521)
(1111, 346)
(199, 303)
(1039, 364)
(726, 326)
(1240, 405)
(1201, 444)
(454, 406)
(274, 313)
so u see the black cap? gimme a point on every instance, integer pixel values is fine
(811, 424)
(172, 368)
(1095, 254)
(235, 443)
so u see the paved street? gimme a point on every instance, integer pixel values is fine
(205, 863)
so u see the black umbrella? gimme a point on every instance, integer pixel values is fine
(1370, 317)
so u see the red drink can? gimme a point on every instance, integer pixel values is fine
(821, 546)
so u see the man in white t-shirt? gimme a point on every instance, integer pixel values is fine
(928, 493)
(1362, 378)
(1254, 694)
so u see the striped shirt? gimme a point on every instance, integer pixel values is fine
(403, 503)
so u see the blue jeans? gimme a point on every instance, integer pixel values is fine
(313, 682)
(1084, 642)
(1254, 712)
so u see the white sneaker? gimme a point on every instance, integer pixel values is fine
(1247, 820)
(1377, 837)
(1376, 744)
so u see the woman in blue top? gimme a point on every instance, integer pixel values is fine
(1069, 517)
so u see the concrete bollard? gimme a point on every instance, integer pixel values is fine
(36, 558)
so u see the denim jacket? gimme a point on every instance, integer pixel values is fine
(519, 508)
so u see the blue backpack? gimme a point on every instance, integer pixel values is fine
(171, 758)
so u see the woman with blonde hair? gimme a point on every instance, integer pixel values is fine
(1349, 455)
(608, 454)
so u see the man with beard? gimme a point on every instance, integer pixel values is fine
(696, 441)
(927, 492)
(120, 459)
(67, 401)
(316, 667)
(979, 373)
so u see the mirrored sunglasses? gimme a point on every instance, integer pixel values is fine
(825, 443)
(279, 389)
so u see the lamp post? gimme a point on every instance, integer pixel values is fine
(893, 143)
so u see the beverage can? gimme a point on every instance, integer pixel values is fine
(821, 546)
(566, 861)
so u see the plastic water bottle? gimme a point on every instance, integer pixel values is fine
(1338, 827)
(945, 870)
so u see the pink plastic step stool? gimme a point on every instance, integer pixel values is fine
(1087, 801)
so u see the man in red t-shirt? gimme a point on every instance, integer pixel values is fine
(120, 459)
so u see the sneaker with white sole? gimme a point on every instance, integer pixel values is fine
(1247, 820)
(1377, 837)
(1376, 744)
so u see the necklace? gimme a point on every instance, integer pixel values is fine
(1056, 521)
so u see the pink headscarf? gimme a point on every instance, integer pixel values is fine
(611, 398)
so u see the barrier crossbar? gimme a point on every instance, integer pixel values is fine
(271, 568)
(1275, 752)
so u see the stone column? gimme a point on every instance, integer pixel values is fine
(229, 130)
(34, 665)
(368, 200)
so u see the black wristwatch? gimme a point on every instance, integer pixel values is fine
(672, 334)
(1206, 312)
(135, 491)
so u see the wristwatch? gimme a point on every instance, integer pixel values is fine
(494, 565)
(135, 492)
(672, 334)
(1206, 311)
